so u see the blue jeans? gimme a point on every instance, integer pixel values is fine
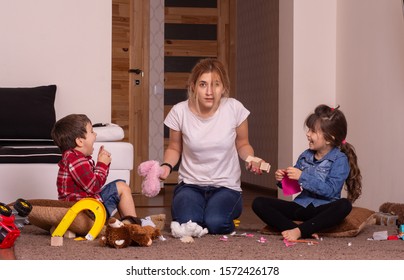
(110, 197)
(208, 206)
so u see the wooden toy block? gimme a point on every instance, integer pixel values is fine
(255, 161)
(265, 166)
(56, 241)
(69, 234)
(259, 163)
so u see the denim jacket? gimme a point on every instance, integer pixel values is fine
(321, 180)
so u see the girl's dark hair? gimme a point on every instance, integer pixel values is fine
(332, 123)
(68, 129)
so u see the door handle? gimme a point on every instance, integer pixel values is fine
(136, 71)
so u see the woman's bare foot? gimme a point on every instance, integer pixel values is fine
(292, 234)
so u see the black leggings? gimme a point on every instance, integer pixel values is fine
(282, 214)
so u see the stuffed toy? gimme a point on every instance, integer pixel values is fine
(120, 235)
(156, 221)
(152, 171)
(395, 209)
(189, 229)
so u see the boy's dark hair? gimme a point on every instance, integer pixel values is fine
(333, 124)
(68, 129)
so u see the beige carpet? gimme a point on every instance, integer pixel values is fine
(34, 244)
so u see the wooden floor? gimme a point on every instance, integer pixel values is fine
(161, 204)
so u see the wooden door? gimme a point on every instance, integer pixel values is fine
(129, 93)
(194, 30)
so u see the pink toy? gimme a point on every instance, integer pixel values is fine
(290, 186)
(151, 171)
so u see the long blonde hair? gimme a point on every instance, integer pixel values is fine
(208, 65)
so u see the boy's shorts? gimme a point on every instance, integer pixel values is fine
(110, 197)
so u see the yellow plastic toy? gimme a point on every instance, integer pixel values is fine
(84, 204)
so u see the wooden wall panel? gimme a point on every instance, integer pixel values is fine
(175, 80)
(120, 64)
(201, 48)
(129, 102)
(191, 15)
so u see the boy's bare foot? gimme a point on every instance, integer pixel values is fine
(292, 234)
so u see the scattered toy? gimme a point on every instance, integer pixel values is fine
(224, 238)
(121, 235)
(12, 221)
(380, 235)
(189, 229)
(396, 209)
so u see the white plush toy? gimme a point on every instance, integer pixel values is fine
(187, 230)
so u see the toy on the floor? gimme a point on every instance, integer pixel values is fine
(12, 221)
(88, 203)
(187, 231)
(401, 232)
(151, 171)
(395, 209)
(121, 235)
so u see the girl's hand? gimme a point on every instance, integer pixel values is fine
(279, 174)
(293, 173)
(104, 156)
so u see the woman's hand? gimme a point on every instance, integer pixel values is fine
(253, 169)
(165, 171)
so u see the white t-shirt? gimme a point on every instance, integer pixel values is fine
(209, 155)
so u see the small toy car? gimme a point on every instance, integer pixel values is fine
(12, 220)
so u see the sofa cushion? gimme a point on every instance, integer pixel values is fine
(30, 154)
(27, 113)
(108, 132)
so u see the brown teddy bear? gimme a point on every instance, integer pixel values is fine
(394, 209)
(121, 235)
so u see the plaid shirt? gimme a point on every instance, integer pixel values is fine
(79, 177)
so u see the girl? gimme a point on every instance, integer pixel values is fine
(321, 172)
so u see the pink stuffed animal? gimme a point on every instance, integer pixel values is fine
(152, 171)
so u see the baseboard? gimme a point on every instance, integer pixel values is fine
(260, 189)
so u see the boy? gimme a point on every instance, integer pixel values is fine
(79, 177)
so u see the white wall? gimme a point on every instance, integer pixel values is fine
(314, 71)
(349, 53)
(307, 70)
(370, 74)
(64, 42)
